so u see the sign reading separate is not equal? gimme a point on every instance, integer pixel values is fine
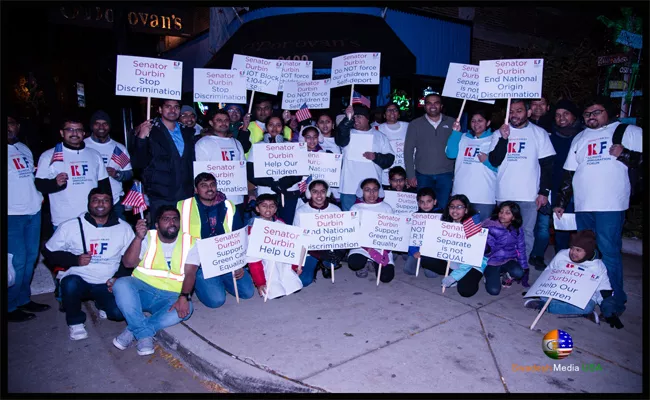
(447, 241)
(230, 175)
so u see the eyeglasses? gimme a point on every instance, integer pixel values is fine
(233, 110)
(458, 207)
(75, 130)
(371, 190)
(397, 180)
(595, 113)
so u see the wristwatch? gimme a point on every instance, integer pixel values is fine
(186, 295)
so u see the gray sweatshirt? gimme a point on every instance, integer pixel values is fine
(430, 157)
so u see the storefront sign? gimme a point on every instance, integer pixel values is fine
(517, 79)
(219, 86)
(630, 39)
(331, 231)
(224, 253)
(636, 93)
(384, 231)
(356, 68)
(295, 71)
(447, 241)
(276, 241)
(262, 75)
(325, 166)
(230, 175)
(612, 59)
(315, 93)
(149, 77)
(462, 82)
(276, 160)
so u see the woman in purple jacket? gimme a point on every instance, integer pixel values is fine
(507, 247)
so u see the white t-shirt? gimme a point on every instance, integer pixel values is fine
(22, 196)
(595, 267)
(381, 207)
(601, 182)
(432, 122)
(168, 251)
(197, 129)
(353, 172)
(396, 135)
(106, 150)
(329, 143)
(307, 209)
(265, 189)
(216, 148)
(106, 245)
(518, 176)
(471, 177)
(84, 168)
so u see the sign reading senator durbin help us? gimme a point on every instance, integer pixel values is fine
(277, 242)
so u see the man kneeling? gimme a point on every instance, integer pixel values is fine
(165, 270)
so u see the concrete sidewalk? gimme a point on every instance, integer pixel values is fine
(405, 336)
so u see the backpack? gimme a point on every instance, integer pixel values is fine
(634, 171)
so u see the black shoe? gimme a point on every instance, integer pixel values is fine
(34, 307)
(19, 316)
(327, 272)
(537, 262)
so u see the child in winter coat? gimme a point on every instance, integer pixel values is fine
(427, 202)
(507, 248)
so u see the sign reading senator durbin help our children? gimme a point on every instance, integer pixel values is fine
(462, 82)
(447, 241)
(331, 231)
(325, 166)
(295, 71)
(517, 79)
(230, 175)
(224, 253)
(262, 75)
(384, 231)
(219, 85)
(276, 160)
(316, 94)
(277, 242)
(418, 223)
(569, 283)
(356, 68)
(149, 77)
(402, 202)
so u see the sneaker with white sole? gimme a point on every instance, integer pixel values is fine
(78, 332)
(534, 304)
(124, 340)
(593, 317)
(102, 314)
(145, 346)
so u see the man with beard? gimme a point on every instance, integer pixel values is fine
(90, 247)
(188, 119)
(116, 158)
(566, 126)
(164, 150)
(539, 114)
(161, 284)
(263, 110)
(209, 214)
(524, 155)
(596, 174)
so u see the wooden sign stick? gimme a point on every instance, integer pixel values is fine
(417, 268)
(446, 274)
(541, 312)
(460, 114)
(148, 108)
(351, 94)
(332, 273)
(378, 274)
(268, 282)
(234, 282)
(508, 112)
(250, 106)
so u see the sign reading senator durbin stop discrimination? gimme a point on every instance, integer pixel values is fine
(262, 75)
(230, 175)
(356, 68)
(384, 231)
(219, 86)
(447, 241)
(517, 79)
(149, 77)
(277, 242)
(331, 231)
(568, 283)
(224, 253)
(280, 159)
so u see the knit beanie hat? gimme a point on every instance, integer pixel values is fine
(569, 106)
(361, 110)
(186, 109)
(586, 240)
(100, 115)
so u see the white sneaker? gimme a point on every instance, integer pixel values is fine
(78, 332)
(124, 340)
(145, 346)
(102, 314)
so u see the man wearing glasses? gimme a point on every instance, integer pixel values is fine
(69, 171)
(596, 173)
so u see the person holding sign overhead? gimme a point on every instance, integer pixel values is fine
(360, 163)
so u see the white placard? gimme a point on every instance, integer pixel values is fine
(262, 75)
(418, 223)
(359, 144)
(276, 241)
(398, 147)
(569, 283)
(295, 71)
(447, 241)
(325, 166)
(315, 93)
(275, 160)
(462, 82)
(149, 77)
(356, 68)
(384, 231)
(567, 223)
(219, 86)
(332, 230)
(224, 253)
(517, 79)
(230, 175)
(403, 203)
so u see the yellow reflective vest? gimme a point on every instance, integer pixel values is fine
(257, 134)
(191, 220)
(153, 268)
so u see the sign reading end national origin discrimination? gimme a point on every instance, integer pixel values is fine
(462, 82)
(149, 77)
(517, 79)
(219, 85)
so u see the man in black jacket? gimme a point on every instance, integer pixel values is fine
(164, 150)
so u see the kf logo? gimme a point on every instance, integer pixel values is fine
(472, 151)
(21, 163)
(512, 147)
(594, 149)
(75, 170)
(98, 248)
(227, 155)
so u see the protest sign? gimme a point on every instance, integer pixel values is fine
(447, 241)
(505, 79)
(356, 68)
(359, 144)
(331, 230)
(569, 283)
(462, 82)
(230, 175)
(149, 77)
(316, 94)
(224, 253)
(398, 147)
(402, 202)
(566, 223)
(418, 222)
(219, 85)
(262, 75)
(276, 160)
(325, 166)
(295, 71)
(277, 242)
(384, 231)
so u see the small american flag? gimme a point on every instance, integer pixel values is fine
(565, 344)
(358, 98)
(302, 186)
(135, 199)
(120, 157)
(58, 153)
(472, 226)
(303, 113)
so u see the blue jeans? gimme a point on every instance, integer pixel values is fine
(493, 273)
(561, 307)
(133, 296)
(347, 201)
(485, 210)
(307, 276)
(410, 267)
(440, 183)
(542, 235)
(23, 241)
(74, 290)
(608, 226)
(212, 291)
